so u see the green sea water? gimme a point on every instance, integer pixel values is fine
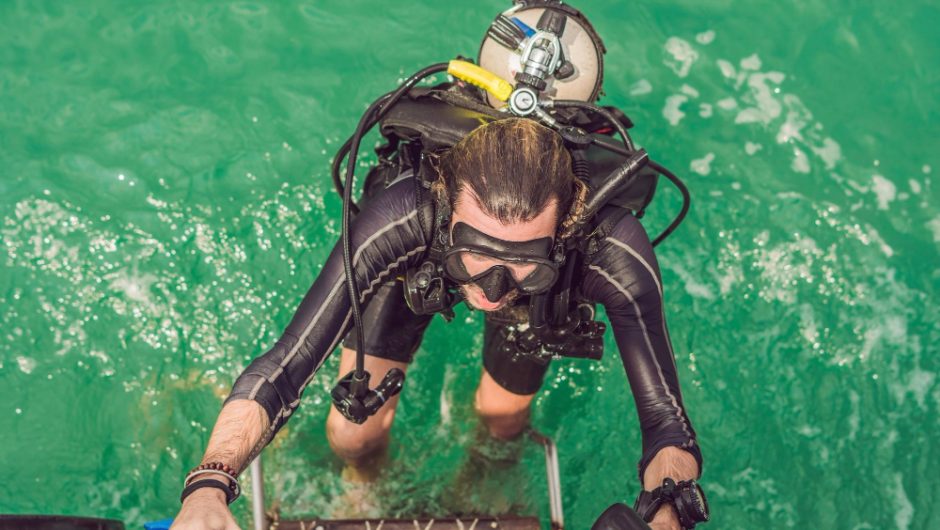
(165, 203)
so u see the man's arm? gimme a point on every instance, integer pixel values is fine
(235, 438)
(624, 276)
(237, 434)
(387, 238)
(674, 463)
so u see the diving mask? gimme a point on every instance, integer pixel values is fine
(497, 266)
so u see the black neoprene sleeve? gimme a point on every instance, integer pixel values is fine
(624, 276)
(386, 239)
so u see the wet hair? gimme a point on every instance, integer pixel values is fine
(513, 167)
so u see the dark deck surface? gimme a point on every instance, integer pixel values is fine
(466, 523)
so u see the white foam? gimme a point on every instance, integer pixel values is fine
(800, 162)
(136, 288)
(689, 91)
(682, 53)
(640, 88)
(26, 364)
(445, 404)
(872, 235)
(672, 111)
(703, 166)
(925, 169)
(727, 69)
(884, 190)
(788, 131)
(903, 509)
(705, 110)
(727, 104)
(808, 328)
(854, 418)
(798, 117)
(692, 285)
(767, 107)
(830, 152)
(914, 185)
(751, 148)
(919, 385)
(706, 37)
(934, 226)
(809, 431)
(751, 62)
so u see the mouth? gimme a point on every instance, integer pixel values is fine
(476, 299)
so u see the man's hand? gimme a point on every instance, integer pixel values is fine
(205, 509)
(673, 463)
(665, 519)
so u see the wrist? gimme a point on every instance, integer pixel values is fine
(673, 505)
(666, 514)
(224, 478)
(215, 475)
(206, 494)
(670, 462)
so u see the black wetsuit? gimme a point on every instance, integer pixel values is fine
(388, 238)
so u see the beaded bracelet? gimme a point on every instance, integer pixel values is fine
(216, 468)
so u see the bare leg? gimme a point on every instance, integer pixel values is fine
(505, 414)
(362, 446)
(486, 482)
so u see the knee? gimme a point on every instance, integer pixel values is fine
(352, 442)
(505, 419)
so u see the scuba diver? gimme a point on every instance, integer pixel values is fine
(515, 198)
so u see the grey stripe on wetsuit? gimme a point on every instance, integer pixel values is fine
(623, 276)
(388, 238)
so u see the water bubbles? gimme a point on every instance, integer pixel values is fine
(26, 364)
(706, 37)
(727, 104)
(885, 191)
(672, 111)
(640, 88)
(702, 166)
(751, 62)
(682, 55)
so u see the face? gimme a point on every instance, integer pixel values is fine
(466, 210)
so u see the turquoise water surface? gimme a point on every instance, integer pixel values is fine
(165, 203)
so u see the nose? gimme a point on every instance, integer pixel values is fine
(496, 284)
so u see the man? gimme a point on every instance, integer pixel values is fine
(509, 186)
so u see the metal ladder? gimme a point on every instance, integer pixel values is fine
(552, 473)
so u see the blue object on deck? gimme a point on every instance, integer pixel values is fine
(162, 524)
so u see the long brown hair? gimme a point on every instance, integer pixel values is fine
(514, 168)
